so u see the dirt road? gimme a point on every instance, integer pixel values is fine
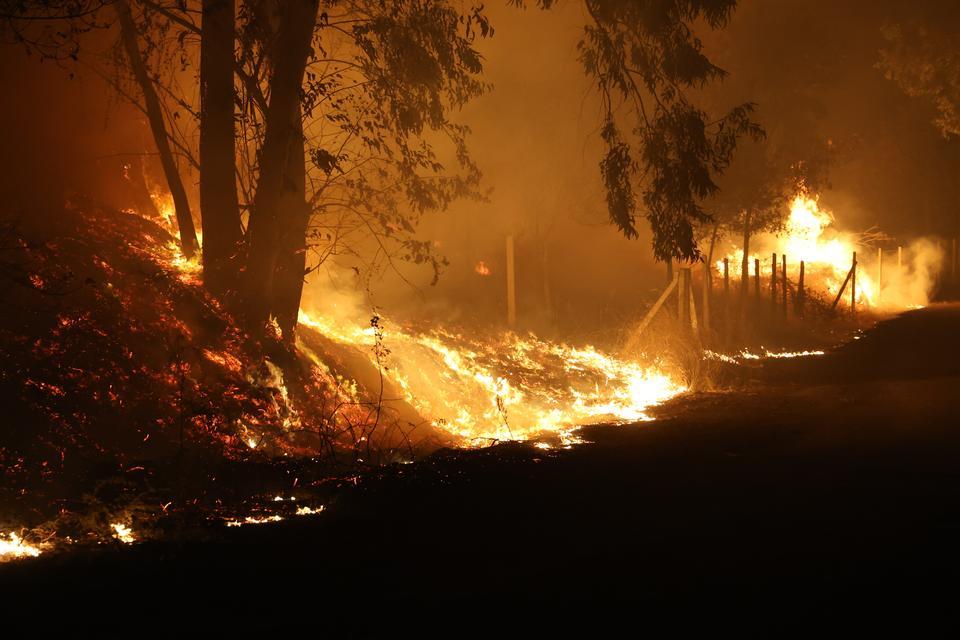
(824, 480)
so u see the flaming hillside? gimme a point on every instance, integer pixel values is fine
(118, 357)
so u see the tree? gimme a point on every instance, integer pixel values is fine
(51, 29)
(645, 56)
(364, 90)
(923, 58)
(282, 134)
(378, 95)
(925, 62)
(219, 205)
(128, 35)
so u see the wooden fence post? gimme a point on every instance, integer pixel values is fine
(800, 293)
(726, 280)
(707, 289)
(773, 282)
(853, 286)
(879, 273)
(783, 272)
(656, 307)
(756, 279)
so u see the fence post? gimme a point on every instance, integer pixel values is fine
(800, 292)
(783, 272)
(756, 278)
(726, 280)
(853, 286)
(879, 273)
(707, 293)
(773, 282)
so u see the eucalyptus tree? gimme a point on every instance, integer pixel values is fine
(664, 153)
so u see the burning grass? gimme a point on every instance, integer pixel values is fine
(134, 392)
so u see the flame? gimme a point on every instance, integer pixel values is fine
(809, 235)
(253, 520)
(123, 533)
(893, 280)
(501, 387)
(188, 268)
(507, 387)
(13, 547)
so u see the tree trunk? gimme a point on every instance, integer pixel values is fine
(128, 34)
(744, 265)
(708, 281)
(294, 216)
(282, 129)
(219, 207)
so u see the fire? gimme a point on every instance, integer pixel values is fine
(123, 533)
(508, 387)
(809, 235)
(253, 520)
(13, 546)
(747, 355)
(482, 268)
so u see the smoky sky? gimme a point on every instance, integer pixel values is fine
(808, 64)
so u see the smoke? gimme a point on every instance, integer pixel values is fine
(910, 283)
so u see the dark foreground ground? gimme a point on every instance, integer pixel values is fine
(826, 484)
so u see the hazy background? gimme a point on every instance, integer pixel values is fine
(809, 64)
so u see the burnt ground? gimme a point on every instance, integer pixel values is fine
(821, 485)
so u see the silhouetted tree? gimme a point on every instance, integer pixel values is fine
(128, 35)
(219, 205)
(923, 58)
(333, 117)
(664, 159)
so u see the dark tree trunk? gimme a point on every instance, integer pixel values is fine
(294, 216)
(219, 208)
(282, 130)
(128, 34)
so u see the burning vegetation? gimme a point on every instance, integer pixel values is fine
(890, 276)
(172, 349)
(134, 363)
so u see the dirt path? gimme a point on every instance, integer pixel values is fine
(825, 480)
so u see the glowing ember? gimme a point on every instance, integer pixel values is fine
(747, 355)
(790, 354)
(253, 520)
(307, 511)
(13, 546)
(123, 533)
